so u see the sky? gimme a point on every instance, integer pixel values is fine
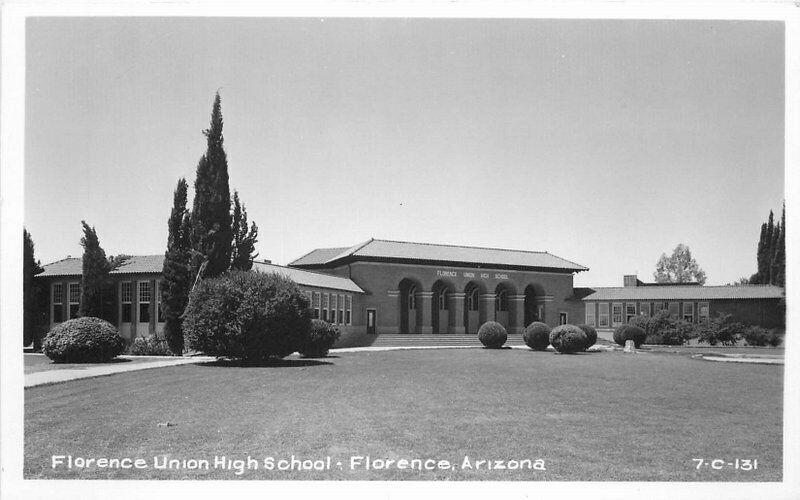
(605, 142)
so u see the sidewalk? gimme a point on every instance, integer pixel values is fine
(56, 376)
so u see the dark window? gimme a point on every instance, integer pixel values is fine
(58, 299)
(501, 301)
(126, 296)
(126, 313)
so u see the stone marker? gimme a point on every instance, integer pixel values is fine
(629, 346)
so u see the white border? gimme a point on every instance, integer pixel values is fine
(12, 125)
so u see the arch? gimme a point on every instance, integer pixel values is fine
(441, 313)
(534, 306)
(472, 306)
(408, 304)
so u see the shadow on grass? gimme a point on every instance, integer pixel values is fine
(109, 362)
(269, 363)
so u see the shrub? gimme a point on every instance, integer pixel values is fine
(152, 345)
(591, 335)
(721, 329)
(248, 315)
(640, 321)
(677, 332)
(759, 336)
(568, 339)
(629, 332)
(537, 336)
(83, 340)
(492, 335)
(321, 337)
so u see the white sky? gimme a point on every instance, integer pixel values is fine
(604, 142)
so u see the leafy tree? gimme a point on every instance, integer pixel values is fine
(33, 294)
(97, 290)
(744, 280)
(177, 274)
(211, 233)
(679, 267)
(244, 240)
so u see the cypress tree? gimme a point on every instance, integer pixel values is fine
(176, 272)
(32, 294)
(244, 240)
(770, 243)
(761, 256)
(211, 234)
(97, 291)
(779, 255)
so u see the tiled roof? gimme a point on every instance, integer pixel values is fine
(403, 250)
(679, 292)
(308, 278)
(137, 264)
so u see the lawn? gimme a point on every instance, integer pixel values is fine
(40, 362)
(593, 416)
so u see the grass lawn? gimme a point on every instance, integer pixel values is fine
(40, 362)
(592, 416)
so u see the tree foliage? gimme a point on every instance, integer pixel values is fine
(97, 290)
(33, 295)
(211, 233)
(244, 239)
(177, 274)
(771, 252)
(679, 267)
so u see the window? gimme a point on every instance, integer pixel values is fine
(602, 313)
(126, 297)
(630, 311)
(160, 312)
(442, 299)
(501, 301)
(673, 309)
(644, 308)
(333, 308)
(74, 299)
(616, 313)
(562, 318)
(472, 299)
(657, 306)
(325, 303)
(58, 302)
(688, 312)
(144, 302)
(702, 312)
(591, 307)
(412, 297)
(315, 304)
(349, 310)
(341, 309)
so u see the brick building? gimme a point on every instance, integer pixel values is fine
(382, 286)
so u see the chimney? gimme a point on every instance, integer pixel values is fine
(630, 280)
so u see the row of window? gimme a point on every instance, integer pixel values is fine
(624, 312)
(145, 295)
(471, 299)
(336, 308)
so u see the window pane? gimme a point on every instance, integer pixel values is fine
(126, 312)
(144, 312)
(58, 313)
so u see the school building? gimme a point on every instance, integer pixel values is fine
(394, 287)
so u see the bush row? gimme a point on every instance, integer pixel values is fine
(723, 329)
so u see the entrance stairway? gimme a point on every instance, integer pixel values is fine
(417, 340)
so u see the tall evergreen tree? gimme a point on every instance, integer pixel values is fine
(97, 291)
(211, 233)
(778, 274)
(762, 255)
(244, 239)
(177, 273)
(32, 294)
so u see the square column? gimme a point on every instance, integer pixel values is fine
(457, 310)
(486, 309)
(517, 317)
(424, 310)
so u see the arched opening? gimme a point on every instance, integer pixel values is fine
(408, 306)
(472, 293)
(440, 307)
(534, 307)
(501, 305)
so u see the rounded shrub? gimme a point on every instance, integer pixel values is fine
(492, 335)
(591, 335)
(321, 337)
(247, 315)
(640, 321)
(629, 332)
(83, 340)
(568, 339)
(537, 336)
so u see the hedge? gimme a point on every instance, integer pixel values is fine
(321, 337)
(591, 335)
(568, 339)
(83, 340)
(537, 336)
(492, 335)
